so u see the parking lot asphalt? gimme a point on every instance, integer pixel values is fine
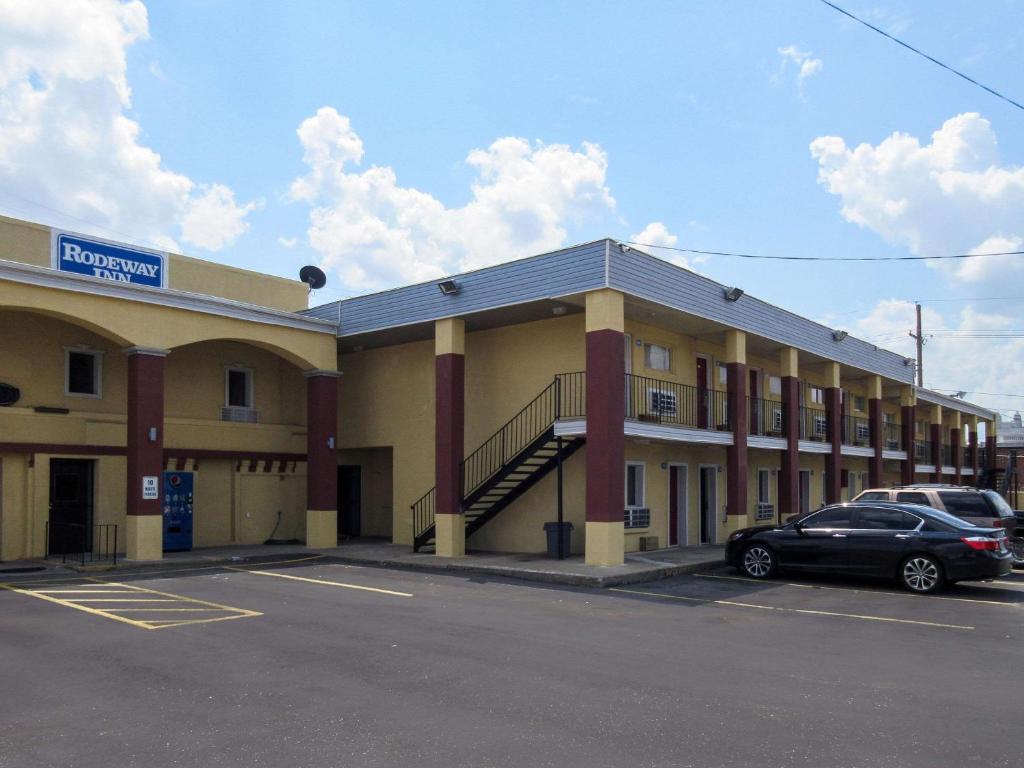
(316, 663)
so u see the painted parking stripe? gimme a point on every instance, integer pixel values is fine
(185, 608)
(980, 601)
(807, 611)
(323, 582)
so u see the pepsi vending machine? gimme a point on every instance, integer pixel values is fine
(177, 511)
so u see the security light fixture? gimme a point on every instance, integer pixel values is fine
(448, 287)
(839, 335)
(733, 294)
(558, 311)
(908, 361)
(961, 394)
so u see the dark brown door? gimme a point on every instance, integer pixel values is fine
(703, 404)
(70, 528)
(350, 499)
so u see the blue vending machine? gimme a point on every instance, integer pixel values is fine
(177, 511)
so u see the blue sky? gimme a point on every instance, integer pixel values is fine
(695, 113)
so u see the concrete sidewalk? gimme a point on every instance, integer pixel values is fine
(639, 566)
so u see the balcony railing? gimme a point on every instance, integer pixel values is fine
(765, 417)
(666, 402)
(923, 451)
(813, 424)
(892, 436)
(856, 431)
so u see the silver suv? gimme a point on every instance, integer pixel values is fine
(979, 506)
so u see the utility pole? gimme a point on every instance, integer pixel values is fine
(919, 338)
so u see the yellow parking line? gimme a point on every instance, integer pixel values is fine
(865, 591)
(809, 611)
(95, 591)
(324, 582)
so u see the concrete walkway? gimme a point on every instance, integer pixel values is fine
(639, 566)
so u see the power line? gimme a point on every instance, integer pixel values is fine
(932, 59)
(971, 392)
(974, 298)
(821, 258)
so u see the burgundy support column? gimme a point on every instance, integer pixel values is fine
(789, 482)
(449, 430)
(990, 453)
(875, 427)
(321, 431)
(606, 412)
(936, 438)
(145, 428)
(736, 454)
(908, 415)
(972, 437)
(958, 455)
(834, 459)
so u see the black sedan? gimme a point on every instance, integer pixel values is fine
(922, 547)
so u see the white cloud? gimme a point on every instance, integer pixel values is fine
(66, 143)
(657, 234)
(950, 196)
(806, 65)
(288, 242)
(377, 233)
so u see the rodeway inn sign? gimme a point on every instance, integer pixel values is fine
(98, 258)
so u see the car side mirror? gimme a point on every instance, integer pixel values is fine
(798, 527)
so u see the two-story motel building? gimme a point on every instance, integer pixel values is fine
(439, 415)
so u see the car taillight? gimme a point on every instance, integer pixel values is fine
(981, 542)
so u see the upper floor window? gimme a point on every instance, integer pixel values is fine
(657, 357)
(83, 372)
(774, 385)
(723, 374)
(859, 403)
(817, 395)
(238, 387)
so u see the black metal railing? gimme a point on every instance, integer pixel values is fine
(947, 455)
(423, 514)
(813, 424)
(892, 436)
(765, 417)
(78, 543)
(667, 402)
(565, 397)
(856, 430)
(923, 451)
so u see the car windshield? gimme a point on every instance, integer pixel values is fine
(998, 503)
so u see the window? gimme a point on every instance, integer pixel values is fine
(636, 514)
(817, 395)
(723, 374)
(774, 385)
(913, 497)
(824, 488)
(859, 403)
(657, 357)
(662, 402)
(836, 517)
(238, 388)
(873, 496)
(877, 519)
(82, 373)
(965, 504)
(765, 510)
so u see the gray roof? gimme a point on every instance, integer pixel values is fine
(606, 264)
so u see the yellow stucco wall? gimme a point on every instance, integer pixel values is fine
(29, 243)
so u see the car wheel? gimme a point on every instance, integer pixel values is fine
(1017, 547)
(921, 574)
(758, 562)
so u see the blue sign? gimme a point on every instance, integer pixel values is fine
(107, 261)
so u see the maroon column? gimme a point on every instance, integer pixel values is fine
(990, 453)
(908, 415)
(789, 481)
(834, 459)
(936, 438)
(606, 413)
(736, 454)
(321, 441)
(958, 455)
(875, 427)
(972, 437)
(145, 428)
(449, 430)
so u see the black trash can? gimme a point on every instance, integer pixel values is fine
(551, 529)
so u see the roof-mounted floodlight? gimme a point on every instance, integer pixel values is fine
(909, 361)
(733, 294)
(839, 335)
(448, 287)
(961, 394)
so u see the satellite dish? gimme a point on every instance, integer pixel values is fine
(312, 276)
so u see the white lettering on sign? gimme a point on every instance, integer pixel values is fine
(150, 488)
(103, 265)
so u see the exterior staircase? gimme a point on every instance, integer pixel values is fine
(510, 462)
